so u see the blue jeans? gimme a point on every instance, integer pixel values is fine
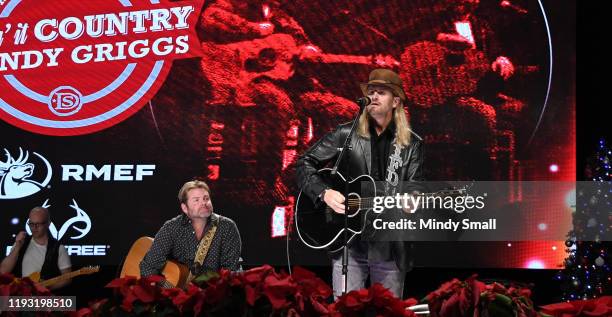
(359, 267)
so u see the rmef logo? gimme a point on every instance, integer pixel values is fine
(16, 174)
(75, 67)
(28, 173)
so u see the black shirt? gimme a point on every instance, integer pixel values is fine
(380, 146)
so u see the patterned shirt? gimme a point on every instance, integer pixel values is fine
(177, 240)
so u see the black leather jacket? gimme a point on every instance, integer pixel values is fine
(325, 152)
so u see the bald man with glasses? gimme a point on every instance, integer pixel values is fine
(39, 252)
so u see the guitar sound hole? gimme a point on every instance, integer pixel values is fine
(267, 56)
(265, 61)
(455, 59)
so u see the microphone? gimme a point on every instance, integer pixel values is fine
(363, 102)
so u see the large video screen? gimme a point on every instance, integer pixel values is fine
(108, 107)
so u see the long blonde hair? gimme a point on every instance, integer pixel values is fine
(403, 134)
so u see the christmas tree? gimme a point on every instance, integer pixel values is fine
(587, 273)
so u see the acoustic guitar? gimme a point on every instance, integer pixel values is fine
(175, 273)
(319, 227)
(46, 283)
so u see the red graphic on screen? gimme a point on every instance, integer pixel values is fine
(71, 68)
(267, 65)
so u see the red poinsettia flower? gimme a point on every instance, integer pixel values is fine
(184, 300)
(514, 300)
(83, 312)
(311, 292)
(251, 294)
(235, 280)
(377, 299)
(257, 274)
(310, 284)
(6, 278)
(474, 289)
(278, 289)
(172, 293)
(24, 287)
(5, 290)
(444, 290)
(122, 282)
(410, 302)
(146, 289)
(496, 288)
(5, 284)
(132, 289)
(318, 305)
(444, 299)
(452, 305)
(128, 301)
(519, 292)
(474, 297)
(216, 292)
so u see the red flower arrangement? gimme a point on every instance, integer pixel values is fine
(257, 292)
(475, 298)
(263, 292)
(11, 286)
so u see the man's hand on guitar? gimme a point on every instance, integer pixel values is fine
(503, 66)
(334, 199)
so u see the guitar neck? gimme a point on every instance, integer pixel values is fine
(351, 59)
(368, 202)
(62, 277)
(341, 58)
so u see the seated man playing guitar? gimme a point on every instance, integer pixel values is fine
(384, 148)
(199, 238)
(38, 253)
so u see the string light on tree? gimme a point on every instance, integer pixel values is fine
(587, 268)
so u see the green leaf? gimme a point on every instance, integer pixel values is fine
(501, 306)
(205, 277)
(138, 308)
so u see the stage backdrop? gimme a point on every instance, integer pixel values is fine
(107, 107)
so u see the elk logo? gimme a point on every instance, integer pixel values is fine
(15, 175)
(81, 217)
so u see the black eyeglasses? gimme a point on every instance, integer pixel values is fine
(36, 224)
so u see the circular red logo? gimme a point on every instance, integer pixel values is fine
(76, 67)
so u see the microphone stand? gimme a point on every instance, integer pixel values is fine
(345, 150)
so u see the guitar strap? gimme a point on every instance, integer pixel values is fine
(395, 161)
(204, 245)
(390, 184)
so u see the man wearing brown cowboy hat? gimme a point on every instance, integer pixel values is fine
(383, 138)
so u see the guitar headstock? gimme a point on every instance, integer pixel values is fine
(89, 269)
(454, 192)
(461, 190)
